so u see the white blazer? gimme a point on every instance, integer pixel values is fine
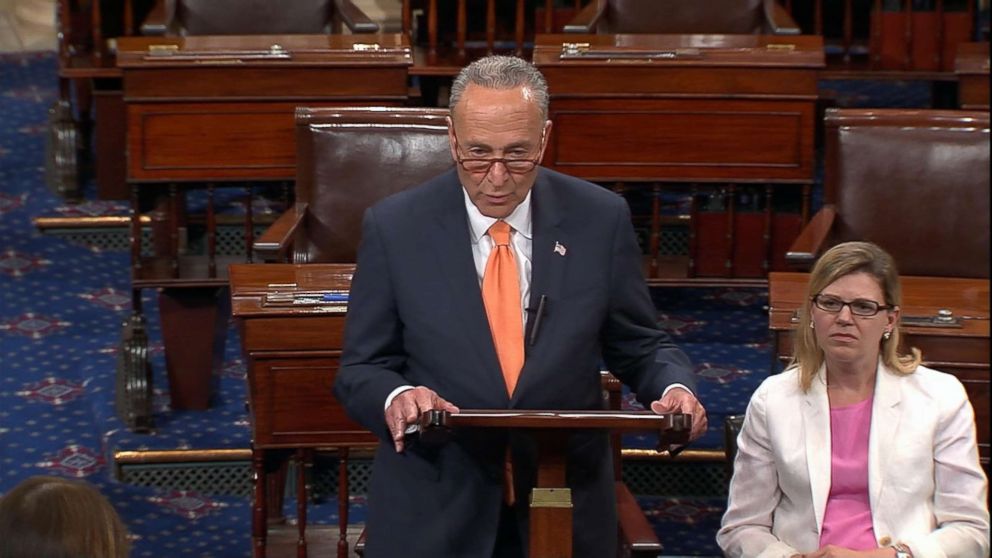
(927, 489)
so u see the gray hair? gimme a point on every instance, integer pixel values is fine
(501, 72)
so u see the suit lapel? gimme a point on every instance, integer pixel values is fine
(885, 415)
(816, 426)
(547, 273)
(453, 249)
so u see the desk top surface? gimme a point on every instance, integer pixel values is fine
(679, 50)
(250, 283)
(264, 50)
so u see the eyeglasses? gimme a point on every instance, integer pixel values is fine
(859, 306)
(513, 166)
(483, 166)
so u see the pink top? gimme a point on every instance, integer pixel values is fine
(847, 518)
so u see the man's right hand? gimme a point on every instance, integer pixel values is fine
(406, 408)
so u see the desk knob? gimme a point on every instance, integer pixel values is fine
(944, 316)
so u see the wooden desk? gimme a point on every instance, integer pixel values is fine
(210, 111)
(684, 109)
(962, 351)
(292, 354)
(972, 69)
(618, 116)
(221, 107)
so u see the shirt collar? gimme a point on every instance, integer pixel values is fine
(519, 218)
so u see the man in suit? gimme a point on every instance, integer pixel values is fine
(425, 330)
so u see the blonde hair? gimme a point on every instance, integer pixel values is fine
(845, 259)
(52, 517)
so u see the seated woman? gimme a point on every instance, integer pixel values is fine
(856, 449)
(51, 517)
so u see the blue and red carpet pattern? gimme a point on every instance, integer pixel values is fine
(62, 305)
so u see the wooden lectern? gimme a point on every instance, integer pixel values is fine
(550, 500)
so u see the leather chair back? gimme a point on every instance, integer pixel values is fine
(252, 17)
(732, 426)
(350, 158)
(683, 16)
(915, 183)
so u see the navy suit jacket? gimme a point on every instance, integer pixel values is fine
(416, 317)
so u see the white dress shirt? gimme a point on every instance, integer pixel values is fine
(521, 242)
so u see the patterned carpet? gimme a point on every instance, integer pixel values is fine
(61, 310)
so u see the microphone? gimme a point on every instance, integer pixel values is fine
(541, 305)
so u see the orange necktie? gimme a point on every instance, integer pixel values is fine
(501, 295)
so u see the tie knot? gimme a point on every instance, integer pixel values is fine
(500, 233)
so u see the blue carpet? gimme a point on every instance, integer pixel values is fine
(60, 316)
(878, 93)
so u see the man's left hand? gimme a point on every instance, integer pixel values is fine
(679, 400)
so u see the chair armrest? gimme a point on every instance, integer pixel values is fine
(636, 534)
(585, 21)
(778, 21)
(810, 242)
(354, 18)
(157, 21)
(272, 244)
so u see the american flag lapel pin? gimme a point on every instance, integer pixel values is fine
(559, 248)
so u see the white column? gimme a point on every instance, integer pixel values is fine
(34, 22)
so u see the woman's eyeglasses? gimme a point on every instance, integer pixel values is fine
(859, 306)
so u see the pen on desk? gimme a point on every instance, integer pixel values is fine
(316, 298)
(537, 318)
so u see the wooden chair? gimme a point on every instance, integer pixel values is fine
(637, 537)
(744, 17)
(233, 17)
(348, 159)
(438, 18)
(915, 182)
(732, 425)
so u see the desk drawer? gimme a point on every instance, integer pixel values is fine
(292, 404)
(311, 333)
(940, 349)
(683, 139)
